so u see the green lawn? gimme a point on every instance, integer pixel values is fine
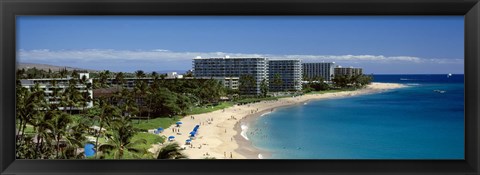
(166, 122)
(151, 139)
(154, 123)
(29, 130)
(200, 110)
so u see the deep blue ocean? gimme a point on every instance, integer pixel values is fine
(416, 122)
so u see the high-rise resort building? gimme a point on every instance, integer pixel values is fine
(324, 70)
(59, 85)
(350, 71)
(285, 75)
(233, 68)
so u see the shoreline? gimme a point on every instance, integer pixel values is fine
(219, 132)
(246, 147)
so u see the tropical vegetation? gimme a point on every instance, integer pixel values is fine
(118, 122)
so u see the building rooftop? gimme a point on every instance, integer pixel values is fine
(227, 57)
(295, 59)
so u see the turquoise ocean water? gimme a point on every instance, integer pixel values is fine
(416, 122)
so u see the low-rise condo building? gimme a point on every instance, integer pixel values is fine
(52, 86)
(229, 82)
(349, 71)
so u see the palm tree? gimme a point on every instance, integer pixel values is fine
(120, 79)
(139, 89)
(59, 121)
(43, 128)
(103, 77)
(85, 95)
(75, 137)
(139, 74)
(73, 95)
(63, 72)
(247, 84)
(264, 88)
(154, 74)
(140, 92)
(171, 151)
(86, 98)
(56, 99)
(277, 80)
(29, 103)
(128, 105)
(120, 139)
(108, 113)
(20, 74)
(149, 98)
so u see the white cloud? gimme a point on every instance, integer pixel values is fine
(163, 57)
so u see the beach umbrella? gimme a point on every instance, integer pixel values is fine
(89, 151)
(192, 133)
(178, 124)
(159, 130)
(171, 138)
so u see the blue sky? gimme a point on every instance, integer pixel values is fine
(379, 44)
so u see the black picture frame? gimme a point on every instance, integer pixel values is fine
(9, 9)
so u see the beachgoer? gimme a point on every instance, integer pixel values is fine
(231, 156)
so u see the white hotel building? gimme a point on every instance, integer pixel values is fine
(324, 70)
(260, 68)
(290, 73)
(233, 69)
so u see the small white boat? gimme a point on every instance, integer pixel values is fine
(449, 75)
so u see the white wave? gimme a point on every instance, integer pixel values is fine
(413, 84)
(305, 103)
(260, 156)
(244, 131)
(265, 114)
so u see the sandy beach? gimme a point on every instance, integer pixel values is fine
(220, 135)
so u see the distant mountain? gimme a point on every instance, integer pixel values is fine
(51, 67)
